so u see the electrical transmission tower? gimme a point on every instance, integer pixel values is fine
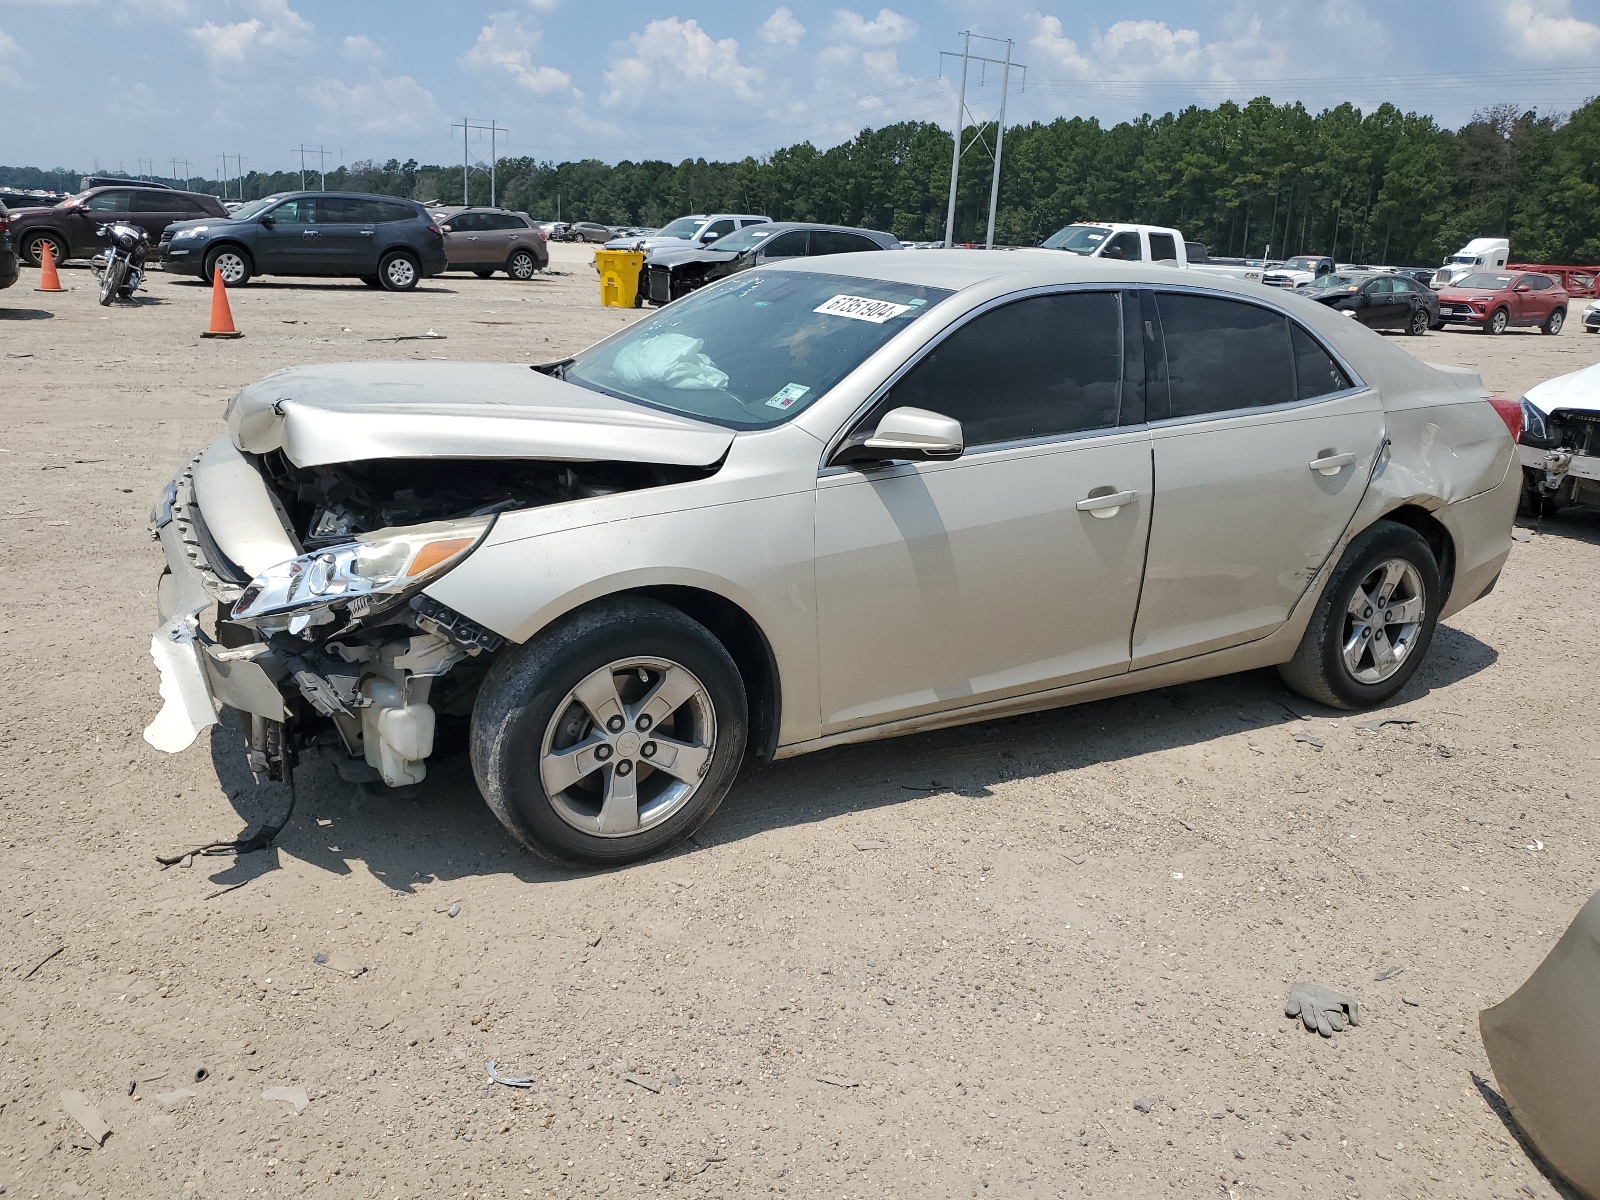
(963, 113)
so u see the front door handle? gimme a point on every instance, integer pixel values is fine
(1105, 506)
(366, 233)
(312, 234)
(1331, 464)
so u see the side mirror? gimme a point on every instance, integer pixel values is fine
(910, 434)
(268, 222)
(1522, 287)
(707, 238)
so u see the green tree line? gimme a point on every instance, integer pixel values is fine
(1384, 186)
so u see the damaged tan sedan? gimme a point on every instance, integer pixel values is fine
(823, 502)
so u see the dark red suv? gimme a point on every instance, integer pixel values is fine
(73, 227)
(1496, 300)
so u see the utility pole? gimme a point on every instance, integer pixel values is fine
(493, 129)
(963, 113)
(185, 176)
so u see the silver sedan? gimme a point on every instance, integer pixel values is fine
(821, 502)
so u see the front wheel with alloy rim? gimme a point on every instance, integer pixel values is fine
(399, 273)
(33, 249)
(1498, 321)
(521, 265)
(611, 736)
(232, 264)
(1420, 323)
(1554, 322)
(1374, 621)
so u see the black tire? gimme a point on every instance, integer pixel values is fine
(522, 265)
(1318, 670)
(111, 280)
(33, 252)
(1497, 322)
(234, 263)
(1553, 323)
(1532, 501)
(483, 274)
(1420, 324)
(399, 271)
(371, 281)
(517, 710)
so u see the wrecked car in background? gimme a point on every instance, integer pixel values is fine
(822, 502)
(671, 273)
(1560, 443)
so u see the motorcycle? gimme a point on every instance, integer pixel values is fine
(121, 270)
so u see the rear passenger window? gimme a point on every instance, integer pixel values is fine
(785, 245)
(1316, 374)
(828, 241)
(1034, 368)
(383, 211)
(1163, 248)
(1224, 354)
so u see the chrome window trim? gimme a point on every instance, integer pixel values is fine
(1048, 289)
(1287, 406)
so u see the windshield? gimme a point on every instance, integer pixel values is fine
(1328, 282)
(754, 350)
(683, 227)
(1077, 239)
(245, 211)
(1485, 281)
(1302, 264)
(744, 239)
(1465, 260)
(72, 199)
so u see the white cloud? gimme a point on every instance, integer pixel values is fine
(678, 59)
(360, 48)
(506, 44)
(543, 6)
(781, 29)
(381, 106)
(10, 54)
(1051, 41)
(888, 28)
(1547, 30)
(275, 28)
(1153, 50)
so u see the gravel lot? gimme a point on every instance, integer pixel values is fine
(946, 965)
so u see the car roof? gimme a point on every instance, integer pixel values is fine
(346, 196)
(784, 226)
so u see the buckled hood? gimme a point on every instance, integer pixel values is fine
(349, 412)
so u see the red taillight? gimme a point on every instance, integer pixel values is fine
(435, 229)
(1510, 412)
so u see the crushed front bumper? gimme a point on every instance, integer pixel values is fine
(198, 672)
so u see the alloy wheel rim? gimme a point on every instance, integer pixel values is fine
(522, 266)
(1383, 621)
(231, 266)
(628, 747)
(1556, 321)
(401, 272)
(56, 251)
(1498, 322)
(1419, 321)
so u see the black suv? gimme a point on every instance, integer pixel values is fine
(383, 241)
(72, 228)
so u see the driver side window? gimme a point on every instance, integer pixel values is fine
(785, 245)
(108, 202)
(1040, 367)
(1128, 243)
(294, 212)
(718, 229)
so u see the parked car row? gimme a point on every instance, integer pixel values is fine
(670, 273)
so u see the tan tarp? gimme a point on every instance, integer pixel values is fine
(1544, 1045)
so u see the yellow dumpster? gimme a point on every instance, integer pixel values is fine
(619, 277)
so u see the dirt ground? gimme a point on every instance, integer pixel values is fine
(941, 966)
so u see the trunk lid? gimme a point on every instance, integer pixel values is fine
(351, 412)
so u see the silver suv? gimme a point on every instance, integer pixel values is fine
(696, 230)
(486, 240)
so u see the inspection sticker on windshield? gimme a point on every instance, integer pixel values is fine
(862, 308)
(787, 395)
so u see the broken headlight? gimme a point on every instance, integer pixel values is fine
(1533, 427)
(358, 575)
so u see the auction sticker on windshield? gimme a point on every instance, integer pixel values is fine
(862, 308)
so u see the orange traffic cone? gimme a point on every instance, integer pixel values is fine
(49, 279)
(221, 314)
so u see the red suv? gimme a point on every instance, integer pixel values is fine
(1496, 300)
(73, 227)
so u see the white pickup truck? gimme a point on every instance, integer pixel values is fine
(1140, 243)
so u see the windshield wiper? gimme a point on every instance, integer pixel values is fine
(556, 370)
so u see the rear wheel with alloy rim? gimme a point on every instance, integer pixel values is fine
(521, 265)
(1556, 319)
(1419, 323)
(233, 265)
(33, 249)
(1498, 321)
(1374, 621)
(399, 272)
(612, 736)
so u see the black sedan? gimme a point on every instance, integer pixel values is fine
(1378, 301)
(669, 274)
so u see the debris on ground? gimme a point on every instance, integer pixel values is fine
(871, 844)
(1301, 736)
(1380, 722)
(42, 961)
(1077, 855)
(1322, 1009)
(838, 1081)
(1411, 1000)
(174, 1099)
(339, 963)
(453, 911)
(649, 1085)
(1543, 1042)
(592, 942)
(1143, 1104)
(80, 1110)
(295, 1095)
(507, 1080)
(1388, 973)
(430, 336)
(1521, 535)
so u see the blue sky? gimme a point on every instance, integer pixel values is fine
(120, 81)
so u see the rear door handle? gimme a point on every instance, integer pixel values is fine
(366, 233)
(1106, 506)
(1332, 464)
